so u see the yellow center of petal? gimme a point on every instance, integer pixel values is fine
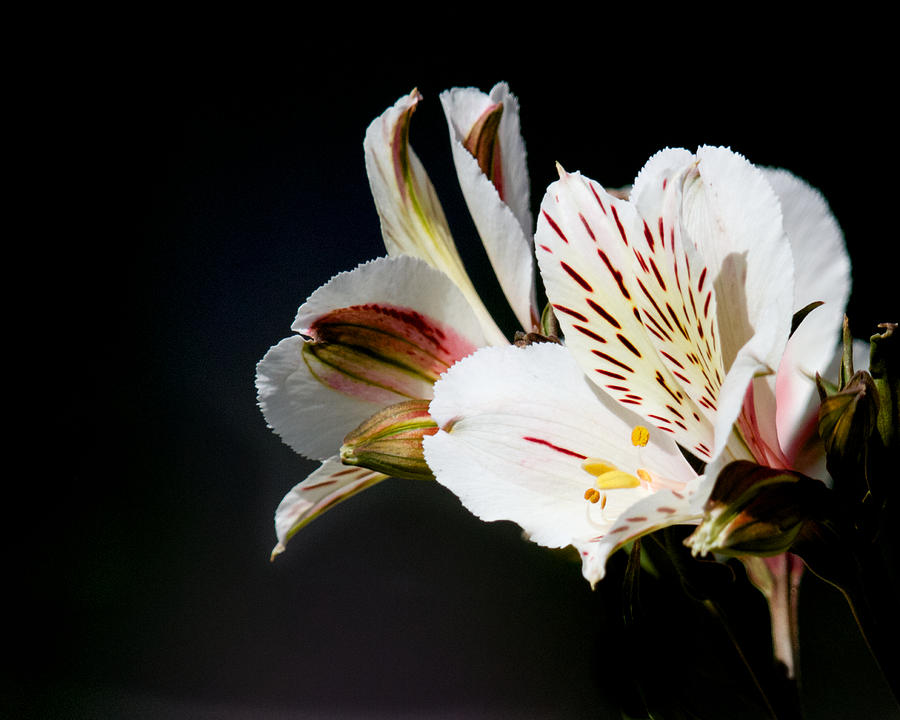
(640, 436)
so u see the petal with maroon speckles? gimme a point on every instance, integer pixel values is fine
(594, 239)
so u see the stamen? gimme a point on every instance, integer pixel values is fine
(645, 476)
(640, 436)
(617, 480)
(591, 495)
(597, 467)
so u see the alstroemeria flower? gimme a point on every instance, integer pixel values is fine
(671, 303)
(369, 338)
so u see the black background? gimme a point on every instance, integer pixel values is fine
(204, 196)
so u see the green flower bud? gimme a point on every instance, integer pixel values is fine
(755, 510)
(390, 441)
(847, 418)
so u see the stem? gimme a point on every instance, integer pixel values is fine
(717, 613)
(880, 635)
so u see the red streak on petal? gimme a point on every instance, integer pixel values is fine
(590, 333)
(569, 311)
(619, 224)
(597, 198)
(637, 518)
(319, 484)
(605, 315)
(555, 227)
(648, 235)
(545, 248)
(576, 277)
(587, 227)
(668, 510)
(559, 449)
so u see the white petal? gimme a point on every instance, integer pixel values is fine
(653, 512)
(821, 273)
(412, 219)
(313, 418)
(518, 424)
(504, 224)
(329, 485)
(734, 218)
(586, 243)
(402, 282)
(309, 416)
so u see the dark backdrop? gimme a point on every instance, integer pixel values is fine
(215, 193)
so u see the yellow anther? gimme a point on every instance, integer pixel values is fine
(603, 501)
(640, 436)
(592, 495)
(597, 467)
(617, 480)
(644, 475)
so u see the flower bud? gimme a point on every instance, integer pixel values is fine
(390, 441)
(847, 418)
(755, 510)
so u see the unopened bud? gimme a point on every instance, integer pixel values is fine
(847, 418)
(390, 441)
(755, 510)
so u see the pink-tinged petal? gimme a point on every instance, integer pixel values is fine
(517, 425)
(587, 241)
(494, 179)
(378, 335)
(400, 282)
(821, 274)
(329, 485)
(412, 219)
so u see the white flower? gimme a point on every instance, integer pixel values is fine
(671, 303)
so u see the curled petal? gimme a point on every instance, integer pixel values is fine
(412, 219)
(331, 484)
(489, 155)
